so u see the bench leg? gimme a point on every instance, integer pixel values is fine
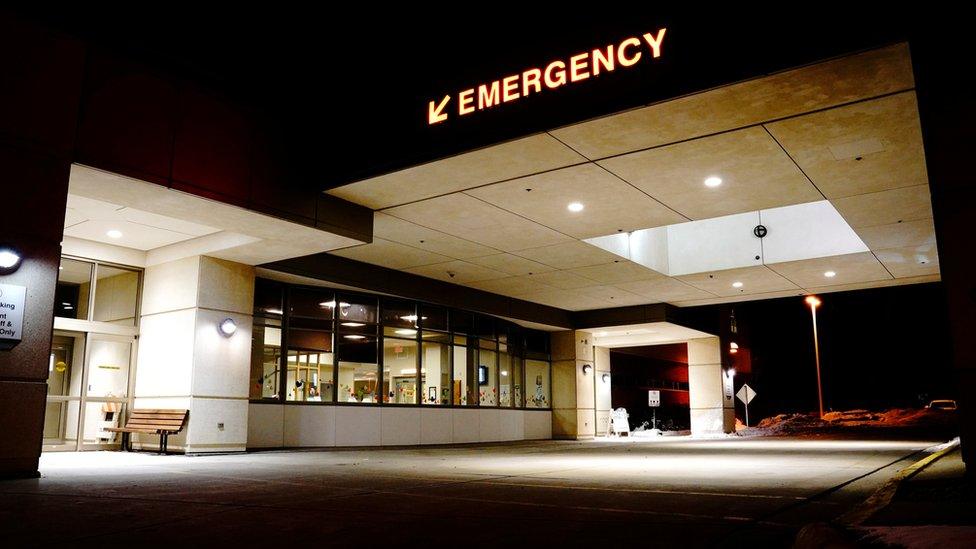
(125, 443)
(162, 442)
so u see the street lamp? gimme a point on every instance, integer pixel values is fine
(814, 302)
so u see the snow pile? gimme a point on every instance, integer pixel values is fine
(854, 420)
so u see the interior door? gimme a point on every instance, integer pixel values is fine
(108, 361)
(65, 375)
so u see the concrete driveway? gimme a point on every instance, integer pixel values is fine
(669, 492)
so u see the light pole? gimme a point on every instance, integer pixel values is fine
(814, 302)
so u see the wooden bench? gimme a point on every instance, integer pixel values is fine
(152, 422)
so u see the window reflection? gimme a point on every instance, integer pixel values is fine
(431, 355)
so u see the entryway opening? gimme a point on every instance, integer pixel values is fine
(661, 368)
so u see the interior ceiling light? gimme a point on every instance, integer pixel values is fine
(830, 274)
(354, 337)
(575, 207)
(406, 332)
(114, 233)
(736, 284)
(713, 181)
(353, 324)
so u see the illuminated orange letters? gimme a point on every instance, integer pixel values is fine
(605, 59)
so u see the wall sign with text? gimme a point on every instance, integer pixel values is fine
(558, 73)
(11, 314)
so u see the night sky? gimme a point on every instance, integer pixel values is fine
(880, 348)
(352, 91)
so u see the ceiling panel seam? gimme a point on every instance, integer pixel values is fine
(793, 160)
(755, 124)
(490, 183)
(640, 190)
(600, 159)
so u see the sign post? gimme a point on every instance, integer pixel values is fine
(746, 394)
(654, 401)
(11, 314)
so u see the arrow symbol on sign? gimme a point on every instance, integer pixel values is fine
(435, 114)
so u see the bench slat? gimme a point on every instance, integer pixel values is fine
(153, 421)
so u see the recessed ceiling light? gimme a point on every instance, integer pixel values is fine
(575, 207)
(736, 284)
(114, 233)
(713, 181)
(353, 324)
(354, 337)
(830, 274)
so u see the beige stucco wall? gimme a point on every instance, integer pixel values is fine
(712, 410)
(573, 392)
(184, 361)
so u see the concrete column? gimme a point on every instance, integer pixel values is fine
(712, 410)
(185, 362)
(601, 365)
(40, 88)
(573, 392)
(946, 110)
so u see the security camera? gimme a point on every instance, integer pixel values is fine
(451, 274)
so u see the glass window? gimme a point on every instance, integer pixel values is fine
(400, 314)
(265, 358)
(358, 380)
(485, 326)
(108, 368)
(537, 379)
(311, 303)
(518, 382)
(487, 374)
(356, 309)
(267, 297)
(537, 342)
(399, 371)
(74, 285)
(465, 376)
(462, 322)
(116, 295)
(435, 376)
(504, 377)
(310, 366)
(433, 318)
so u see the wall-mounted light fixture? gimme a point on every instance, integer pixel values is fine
(587, 369)
(606, 378)
(227, 327)
(10, 260)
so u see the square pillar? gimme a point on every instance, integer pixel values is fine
(185, 361)
(573, 391)
(709, 390)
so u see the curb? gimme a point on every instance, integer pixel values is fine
(883, 496)
(835, 534)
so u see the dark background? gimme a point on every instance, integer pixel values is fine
(350, 92)
(879, 348)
